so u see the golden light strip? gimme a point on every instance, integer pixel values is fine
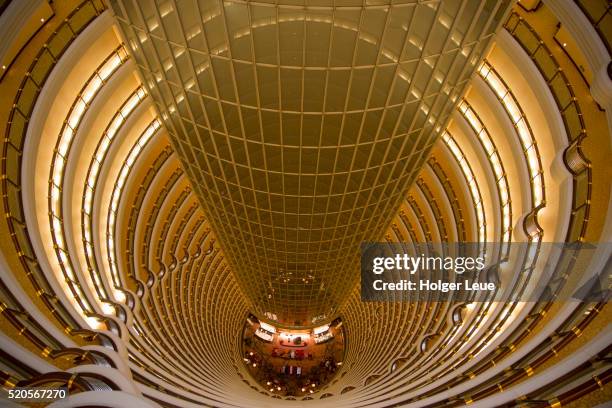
(532, 159)
(91, 182)
(117, 191)
(472, 184)
(468, 175)
(503, 191)
(148, 133)
(496, 165)
(93, 85)
(519, 120)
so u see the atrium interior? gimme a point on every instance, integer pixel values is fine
(187, 186)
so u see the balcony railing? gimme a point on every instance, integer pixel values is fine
(599, 13)
(571, 114)
(19, 117)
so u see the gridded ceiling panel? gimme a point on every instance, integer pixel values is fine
(301, 124)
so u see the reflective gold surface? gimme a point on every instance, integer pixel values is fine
(302, 128)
